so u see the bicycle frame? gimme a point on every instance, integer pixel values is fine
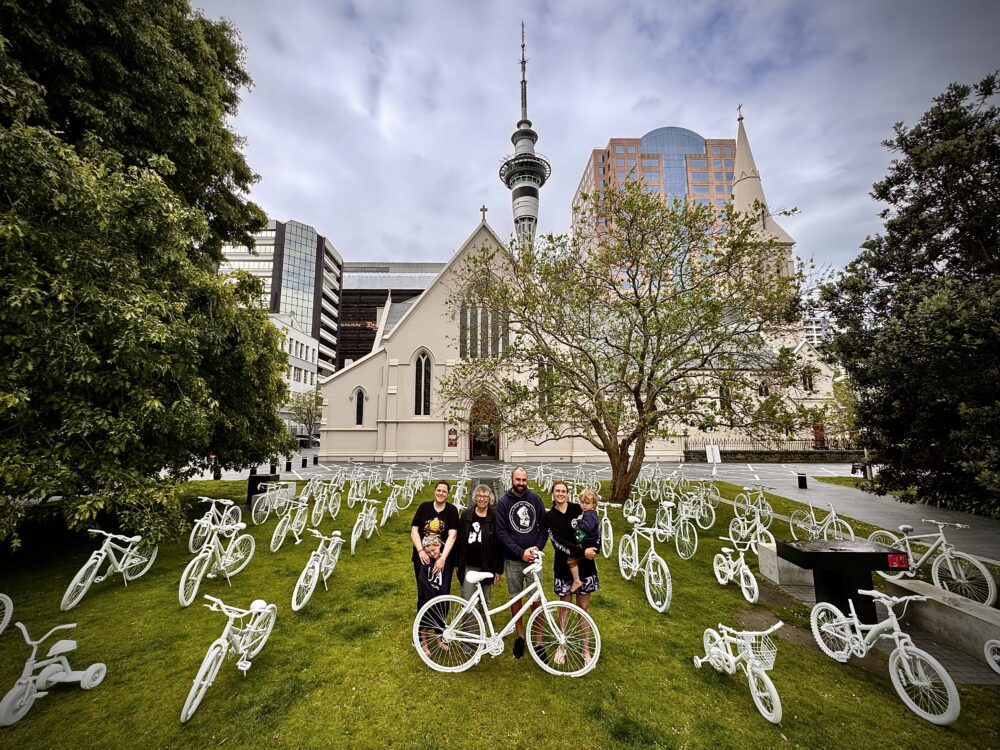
(939, 543)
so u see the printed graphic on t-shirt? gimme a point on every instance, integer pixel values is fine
(522, 516)
(434, 528)
(577, 531)
(475, 533)
(435, 580)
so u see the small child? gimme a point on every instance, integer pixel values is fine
(588, 532)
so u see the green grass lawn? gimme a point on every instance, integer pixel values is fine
(856, 483)
(343, 672)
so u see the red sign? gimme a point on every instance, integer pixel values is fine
(899, 562)
(452, 438)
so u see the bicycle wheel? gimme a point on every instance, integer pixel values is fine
(17, 702)
(839, 530)
(889, 540)
(686, 539)
(748, 585)
(713, 496)
(720, 566)
(761, 536)
(359, 526)
(333, 506)
(741, 505)
(964, 575)
(191, 578)
(661, 522)
(765, 513)
(928, 689)
(628, 558)
(800, 524)
(259, 630)
(261, 508)
(199, 535)
(737, 529)
(306, 584)
(140, 559)
(448, 633)
(658, 584)
(991, 650)
(706, 516)
(831, 630)
(330, 561)
(765, 695)
(81, 582)
(568, 642)
(203, 680)
(232, 515)
(238, 554)
(316, 517)
(370, 521)
(280, 532)
(607, 537)
(6, 610)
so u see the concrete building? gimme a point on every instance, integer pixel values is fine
(367, 289)
(302, 273)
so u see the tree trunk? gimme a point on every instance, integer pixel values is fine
(624, 471)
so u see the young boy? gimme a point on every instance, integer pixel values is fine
(588, 532)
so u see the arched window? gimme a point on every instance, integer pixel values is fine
(359, 409)
(422, 385)
(807, 379)
(481, 332)
(725, 399)
(764, 390)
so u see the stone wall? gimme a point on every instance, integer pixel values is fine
(780, 457)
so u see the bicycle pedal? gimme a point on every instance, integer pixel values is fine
(210, 575)
(98, 579)
(243, 666)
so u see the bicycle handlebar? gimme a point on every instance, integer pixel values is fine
(945, 523)
(317, 533)
(213, 500)
(750, 633)
(217, 605)
(109, 535)
(891, 600)
(27, 638)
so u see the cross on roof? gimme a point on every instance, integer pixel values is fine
(483, 210)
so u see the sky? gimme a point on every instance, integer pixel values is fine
(383, 124)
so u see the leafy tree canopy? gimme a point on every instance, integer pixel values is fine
(306, 408)
(125, 360)
(631, 330)
(919, 309)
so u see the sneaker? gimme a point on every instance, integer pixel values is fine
(519, 647)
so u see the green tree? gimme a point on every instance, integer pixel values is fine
(307, 409)
(919, 309)
(658, 320)
(125, 359)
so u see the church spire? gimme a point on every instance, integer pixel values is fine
(524, 171)
(747, 190)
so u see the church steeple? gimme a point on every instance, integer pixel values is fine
(747, 190)
(524, 171)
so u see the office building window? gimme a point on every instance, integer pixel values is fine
(717, 163)
(619, 162)
(619, 175)
(700, 188)
(720, 188)
(727, 150)
(699, 175)
(650, 163)
(702, 201)
(619, 149)
(652, 188)
(631, 162)
(600, 170)
(729, 162)
(698, 162)
(651, 176)
(600, 158)
(422, 385)
(720, 203)
(718, 176)
(729, 176)
(604, 183)
(716, 150)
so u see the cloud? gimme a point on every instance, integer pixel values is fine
(382, 124)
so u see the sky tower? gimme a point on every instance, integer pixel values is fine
(524, 171)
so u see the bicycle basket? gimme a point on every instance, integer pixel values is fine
(759, 651)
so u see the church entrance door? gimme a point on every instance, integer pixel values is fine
(484, 438)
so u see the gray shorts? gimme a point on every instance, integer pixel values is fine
(513, 571)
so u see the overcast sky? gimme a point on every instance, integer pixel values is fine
(383, 124)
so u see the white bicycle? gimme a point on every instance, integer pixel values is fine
(127, 555)
(804, 525)
(366, 522)
(681, 528)
(924, 686)
(750, 528)
(951, 570)
(451, 634)
(656, 574)
(728, 568)
(326, 499)
(273, 497)
(321, 564)
(607, 530)
(222, 512)
(51, 670)
(229, 559)
(245, 641)
(294, 517)
(751, 502)
(754, 652)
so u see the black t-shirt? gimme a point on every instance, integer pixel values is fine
(434, 523)
(474, 542)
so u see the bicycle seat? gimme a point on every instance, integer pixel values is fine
(135, 538)
(906, 528)
(727, 550)
(668, 503)
(257, 605)
(480, 575)
(63, 646)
